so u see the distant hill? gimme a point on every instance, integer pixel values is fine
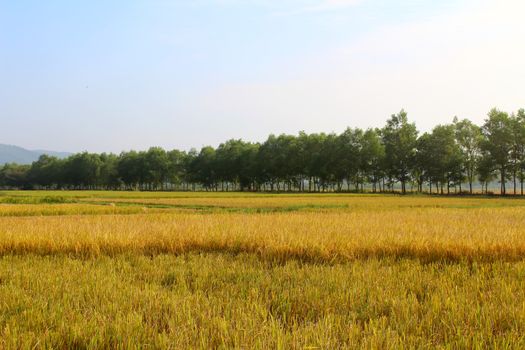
(15, 154)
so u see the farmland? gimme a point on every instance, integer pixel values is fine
(242, 270)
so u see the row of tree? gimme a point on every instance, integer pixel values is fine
(395, 157)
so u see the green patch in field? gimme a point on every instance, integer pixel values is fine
(218, 208)
(36, 200)
(169, 280)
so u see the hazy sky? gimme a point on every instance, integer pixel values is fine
(127, 74)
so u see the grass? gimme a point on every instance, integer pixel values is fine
(181, 270)
(215, 300)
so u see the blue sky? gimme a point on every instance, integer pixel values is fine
(116, 75)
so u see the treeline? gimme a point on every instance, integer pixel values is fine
(452, 157)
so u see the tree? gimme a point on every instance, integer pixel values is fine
(46, 171)
(128, 168)
(82, 170)
(267, 163)
(485, 170)
(176, 166)
(230, 162)
(399, 138)
(424, 165)
(445, 156)
(372, 157)
(14, 175)
(277, 160)
(350, 157)
(248, 166)
(498, 142)
(328, 165)
(109, 177)
(188, 163)
(518, 148)
(313, 158)
(203, 168)
(156, 167)
(468, 137)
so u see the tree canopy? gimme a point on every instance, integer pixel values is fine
(393, 158)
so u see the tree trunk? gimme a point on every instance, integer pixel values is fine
(503, 190)
(514, 179)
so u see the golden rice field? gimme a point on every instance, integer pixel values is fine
(109, 270)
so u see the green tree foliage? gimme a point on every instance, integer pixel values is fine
(204, 168)
(46, 172)
(82, 170)
(14, 175)
(498, 143)
(129, 169)
(468, 138)
(390, 158)
(155, 168)
(372, 158)
(518, 149)
(108, 176)
(235, 159)
(348, 157)
(400, 140)
(177, 167)
(439, 157)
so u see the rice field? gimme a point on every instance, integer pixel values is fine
(106, 270)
